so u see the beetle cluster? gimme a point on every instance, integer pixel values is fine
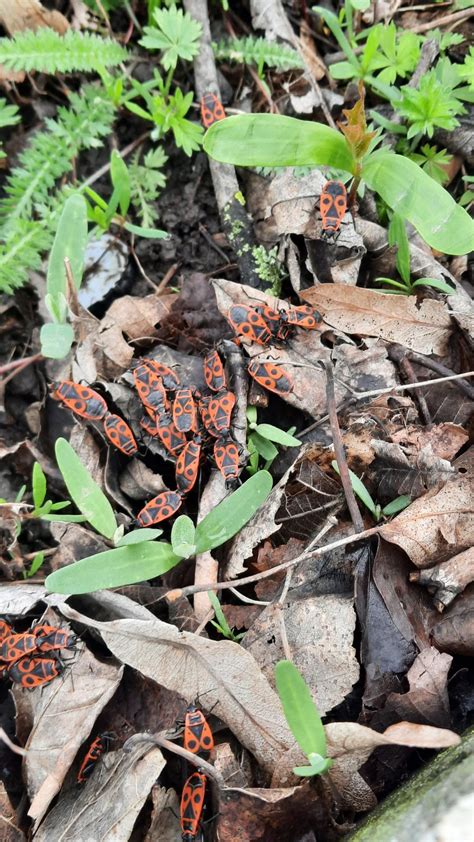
(31, 658)
(88, 404)
(265, 326)
(204, 417)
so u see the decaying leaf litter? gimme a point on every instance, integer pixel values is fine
(371, 598)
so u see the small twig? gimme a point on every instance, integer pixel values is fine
(455, 17)
(167, 277)
(339, 451)
(140, 267)
(194, 759)
(22, 363)
(433, 365)
(257, 577)
(248, 599)
(205, 233)
(397, 353)
(202, 625)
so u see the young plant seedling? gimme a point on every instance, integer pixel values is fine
(303, 719)
(220, 623)
(378, 512)
(261, 441)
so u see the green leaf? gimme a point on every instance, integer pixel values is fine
(35, 564)
(57, 306)
(332, 21)
(265, 448)
(300, 711)
(138, 536)
(65, 518)
(441, 286)
(183, 536)
(177, 35)
(46, 51)
(358, 488)
(148, 233)
(20, 494)
(319, 765)
(220, 616)
(38, 485)
(63, 504)
(114, 568)
(270, 140)
(70, 241)
(397, 236)
(121, 181)
(409, 191)
(268, 431)
(397, 505)
(228, 517)
(84, 491)
(342, 70)
(56, 340)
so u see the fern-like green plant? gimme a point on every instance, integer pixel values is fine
(46, 51)
(8, 117)
(146, 182)
(257, 51)
(31, 206)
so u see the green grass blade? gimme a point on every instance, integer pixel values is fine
(70, 241)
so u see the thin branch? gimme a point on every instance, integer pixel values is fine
(194, 759)
(340, 453)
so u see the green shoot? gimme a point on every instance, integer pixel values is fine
(303, 719)
(378, 512)
(261, 441)
(221, 623)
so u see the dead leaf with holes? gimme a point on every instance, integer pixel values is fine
(436, 526)
(320, 635)
(399, 470)
(229, 677)
(424, 327)
(106, 807)
(72, 703)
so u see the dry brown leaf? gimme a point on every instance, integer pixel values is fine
(448, 579)
(9, 831)
(398, 470)
(20, 598)
(191, 665)
(437, 525)
(16, 15)
(427, 699)
(107, 805)
(320, 634)
(137, 317)
(73, 703)
(444, 439)
(424, 327)
(454, 632)
(164, 825)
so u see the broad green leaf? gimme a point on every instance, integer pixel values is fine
(85, 492)
(38, 482)
(252, 414)
(56, 340)
(70, 241)
(397, 505)
(271, 140)
(265, 448)
(121, 181)
(268, 431)
(148, 233)
(358, 488)
(182, 534)
(233, 513)
(397, 236)
(138, 536)
(441, 286)
(114, 568)
(300, 711)
(342, 70)
(409, 191)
